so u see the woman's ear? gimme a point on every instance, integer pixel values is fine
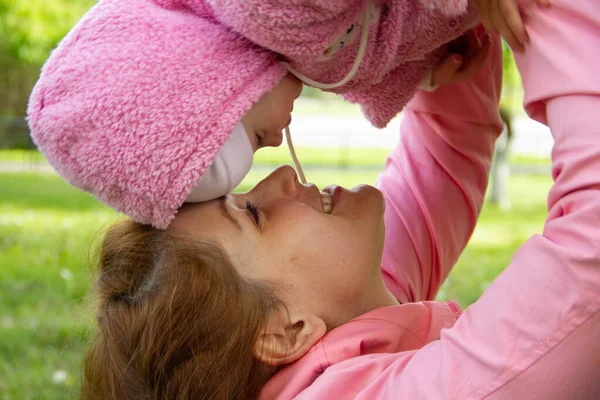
(283, 340)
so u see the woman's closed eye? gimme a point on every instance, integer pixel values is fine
(254, 212)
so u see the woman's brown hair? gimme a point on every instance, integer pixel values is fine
(175, 320)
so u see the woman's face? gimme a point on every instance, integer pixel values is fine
(326, 265)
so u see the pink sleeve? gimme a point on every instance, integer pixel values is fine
(435, 180)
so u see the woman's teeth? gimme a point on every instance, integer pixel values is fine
(326, 200)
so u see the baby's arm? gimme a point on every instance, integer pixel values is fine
(435, 180)
(293, 29)
(305, 30)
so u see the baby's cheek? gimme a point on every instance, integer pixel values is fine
(253, 141)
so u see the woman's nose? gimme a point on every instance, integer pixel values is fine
(283, 182)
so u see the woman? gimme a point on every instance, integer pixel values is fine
(265, 293)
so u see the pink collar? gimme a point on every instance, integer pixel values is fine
(392, 329)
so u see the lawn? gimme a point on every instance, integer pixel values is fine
(47, 230)
(273, 156)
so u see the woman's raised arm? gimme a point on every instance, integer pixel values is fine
(435, 179)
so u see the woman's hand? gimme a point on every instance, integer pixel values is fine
(503, 17)
(468, 54)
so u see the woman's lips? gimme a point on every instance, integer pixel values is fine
(336, 195)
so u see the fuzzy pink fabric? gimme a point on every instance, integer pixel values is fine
(406, 41)
(138, 98)
(449, 8)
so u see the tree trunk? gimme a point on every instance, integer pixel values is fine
(500, 173)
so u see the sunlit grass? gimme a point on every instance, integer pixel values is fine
(273, 156)
(47, 229)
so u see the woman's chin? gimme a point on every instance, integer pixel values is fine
(373, 196)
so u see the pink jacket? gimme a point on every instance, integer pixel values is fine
(320, 39)
(534, 332)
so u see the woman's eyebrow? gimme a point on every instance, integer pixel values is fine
(227, 214)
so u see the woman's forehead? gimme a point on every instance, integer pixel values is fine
(217, 220)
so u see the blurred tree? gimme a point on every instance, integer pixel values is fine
(30, 29)
(510, 106)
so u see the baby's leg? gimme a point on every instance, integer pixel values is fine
(563, 57)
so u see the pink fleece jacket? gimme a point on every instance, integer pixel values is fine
(139, 97)
(534, 332)
(405, 41)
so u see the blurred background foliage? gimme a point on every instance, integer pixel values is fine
(30, 29)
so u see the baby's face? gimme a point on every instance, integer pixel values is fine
(267, 118)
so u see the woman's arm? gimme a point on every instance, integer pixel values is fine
(435, 180)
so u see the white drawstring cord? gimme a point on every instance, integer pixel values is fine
(364, 37)
(326, 198)
(288, 139)
(361, 53)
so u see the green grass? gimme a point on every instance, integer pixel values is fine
(497, 237)
(47, 229)
(21, 156)
(522, 159)
(273, 156)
